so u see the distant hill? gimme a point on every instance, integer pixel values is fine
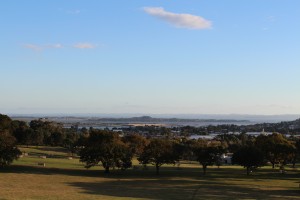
(166, 117)
(148, 119)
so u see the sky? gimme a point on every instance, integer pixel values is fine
(150, 57)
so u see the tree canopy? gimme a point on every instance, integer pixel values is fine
(207, 153)
(105, 147)
(248, 157)
(158, 152)
(8, 149)
(276, 148)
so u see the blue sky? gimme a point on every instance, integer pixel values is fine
(150, 57)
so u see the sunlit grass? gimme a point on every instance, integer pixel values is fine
(62, 178)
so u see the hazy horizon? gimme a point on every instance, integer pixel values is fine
(238, 117)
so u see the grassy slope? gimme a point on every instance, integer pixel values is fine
(67, 179)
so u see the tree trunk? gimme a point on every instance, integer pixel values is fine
(157, 169)
(273, 165)
(294, 163)
(204, 167)
(106, 169)
(248, 171)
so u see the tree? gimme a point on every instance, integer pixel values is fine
(105, 147)
(276, 148)
(57, 138)
(47, 132)
(207, 153)
(157, 153)
(19, 130)
(8, 149)
(136, 143)
(71, 140)
(232, 142)
(248, 157)
(296, 153)
(5, 122)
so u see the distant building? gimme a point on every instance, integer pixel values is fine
(226, 158)
(255, 134)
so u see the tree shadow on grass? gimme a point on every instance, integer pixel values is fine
(50, 149)
(22, 169)
(166, 172)
(173, 184)
(179, 189)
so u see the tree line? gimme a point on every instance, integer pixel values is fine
(112, 151)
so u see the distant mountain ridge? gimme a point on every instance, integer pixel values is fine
(148, 119)
(174, 117)
(69, 121)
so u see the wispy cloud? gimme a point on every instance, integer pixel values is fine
(39, 47)
(179, 20)
(33, 47)
(36, 47)
(74, 12)
(54, 46)
(84, 46)
(271, 18)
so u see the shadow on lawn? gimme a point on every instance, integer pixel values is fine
(50, 171)
(50, 149)
(165, 172)
(172, 183)
(180, 189)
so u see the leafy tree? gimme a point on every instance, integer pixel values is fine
(47, 132)
(136, 143)
(57, 138)
(248, 157)
(296, 153)
(230, 142)
(28, 136)
(105, 147)
(207, 153)
(71, 140)
(158, 152)
(165, 131)
(276, 148)
(19, 130)
(36, 124)
(5, 122)
(187, 149)
(8, 149)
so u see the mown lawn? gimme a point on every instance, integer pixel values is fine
(68, 179)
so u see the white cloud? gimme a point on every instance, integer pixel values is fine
(33, 47)
(84, 46)
(74, 12)
(54, 46)
(36, 47)
(271, 18)
(179, 20)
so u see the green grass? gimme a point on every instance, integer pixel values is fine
(68, 179)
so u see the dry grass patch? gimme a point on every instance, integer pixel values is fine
(67, 179)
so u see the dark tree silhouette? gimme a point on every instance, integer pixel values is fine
(248, 157)
(158, 152)
(276, 148)
(8, 149)
(105, 147)
(207, 153)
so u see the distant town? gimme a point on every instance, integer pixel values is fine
(176, 127)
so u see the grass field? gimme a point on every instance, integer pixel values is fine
(65, 179)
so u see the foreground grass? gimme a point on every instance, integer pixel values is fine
(67, 179)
